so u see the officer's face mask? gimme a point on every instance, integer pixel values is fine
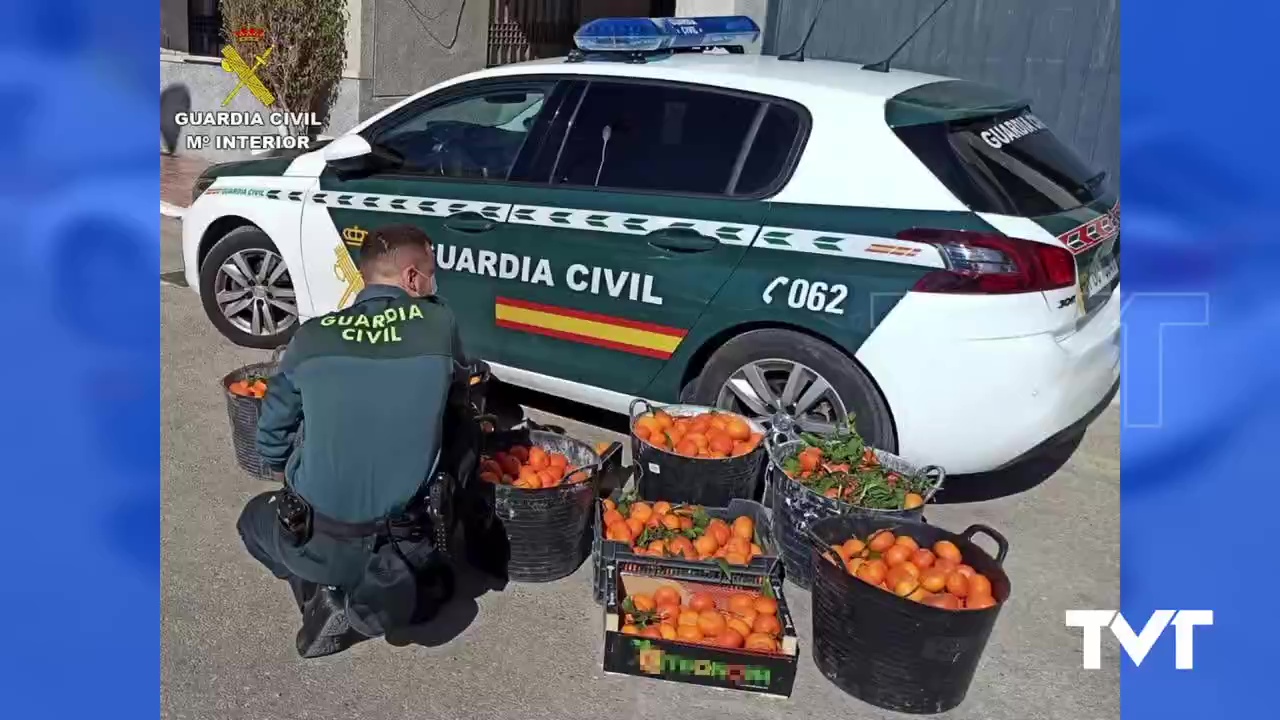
(420, 284)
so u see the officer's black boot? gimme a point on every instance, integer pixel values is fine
(325, 627)
(302, 591)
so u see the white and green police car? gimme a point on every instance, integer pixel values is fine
(792, 240)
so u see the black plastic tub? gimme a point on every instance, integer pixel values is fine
(243, 414)
(547, 531)
(796, 508)
(712, 482)
(609, 555)
(892, 652)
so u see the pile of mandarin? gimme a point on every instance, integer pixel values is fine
(254, 386)
(746, 620)
(708, 435)
(936, 576)
(528, 468)
(680, 531)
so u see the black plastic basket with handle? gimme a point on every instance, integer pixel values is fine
(711, 482)
(547, 531)
(243, 413)
(797, 507)
(890, 651)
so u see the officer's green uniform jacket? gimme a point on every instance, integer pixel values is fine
(373, 381)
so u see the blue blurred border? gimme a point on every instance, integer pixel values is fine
(78, 186)
(1201, 192)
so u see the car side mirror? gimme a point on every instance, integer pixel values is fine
(347, 147)
(352, 156)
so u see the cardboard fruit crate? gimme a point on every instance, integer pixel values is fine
(765, 673)
(607, 555)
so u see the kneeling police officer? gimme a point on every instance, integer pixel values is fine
(353, 530)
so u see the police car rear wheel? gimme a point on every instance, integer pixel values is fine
(793, 382)
(247, 291)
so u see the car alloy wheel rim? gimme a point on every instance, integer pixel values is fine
(254, 292)
(785, 396)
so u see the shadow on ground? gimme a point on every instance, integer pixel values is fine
(456, 615)
(1012, 480)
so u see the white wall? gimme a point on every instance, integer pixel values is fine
(354, 33)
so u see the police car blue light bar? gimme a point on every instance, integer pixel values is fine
(657, 34)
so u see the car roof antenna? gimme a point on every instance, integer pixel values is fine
(883, 65)
(798, 54)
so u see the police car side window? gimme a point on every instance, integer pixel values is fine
(771, 150)
(634, 136)
(477, 136)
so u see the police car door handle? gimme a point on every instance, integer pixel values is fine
(685, 240)
(470, 222)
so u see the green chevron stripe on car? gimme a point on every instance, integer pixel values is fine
(1061, 224)
(238, 188)
(629, 223)
(879, 245)
(869, 222)
(410, 205)
(869, 247)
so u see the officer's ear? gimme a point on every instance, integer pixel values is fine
(409, 278)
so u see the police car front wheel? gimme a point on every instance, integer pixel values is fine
(247, 290)
(793, 382)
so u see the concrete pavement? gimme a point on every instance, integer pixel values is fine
(534, 651)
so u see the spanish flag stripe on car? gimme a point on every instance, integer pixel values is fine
(631, 336)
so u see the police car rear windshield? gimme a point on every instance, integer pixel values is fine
(1010, 164)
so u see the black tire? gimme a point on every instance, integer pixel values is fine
(242, 238)
(856, 389)
(689, 393)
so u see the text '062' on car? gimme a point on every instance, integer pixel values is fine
(795, 241)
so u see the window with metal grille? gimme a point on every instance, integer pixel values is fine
(204, 28)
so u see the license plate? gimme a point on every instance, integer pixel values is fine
(1093, 280)
(1100, 277)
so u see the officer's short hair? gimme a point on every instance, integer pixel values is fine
(382, 244)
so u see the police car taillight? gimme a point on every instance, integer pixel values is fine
(992, 264)
(639, 34)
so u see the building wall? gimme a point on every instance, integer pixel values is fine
(355, 37)
(396, 49)
(407, 47)
(1063, 55)
(209, 84)
(592, 9)
(173, 24)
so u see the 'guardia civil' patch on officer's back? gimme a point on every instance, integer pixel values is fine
(380, 327)
(373, 328)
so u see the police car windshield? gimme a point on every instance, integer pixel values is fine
(1009, 163)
